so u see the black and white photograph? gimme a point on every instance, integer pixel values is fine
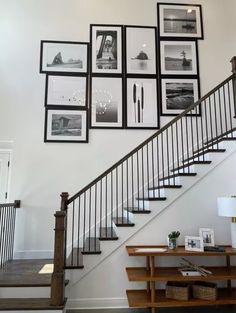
(180, 20)
(178, 58)
(141, 103)
(178, 94)
(106, 41)
(194, 243)
(140, 50)
(63, 57)
(66, 126)
(208, 236)
(107, 102)
(66, 90)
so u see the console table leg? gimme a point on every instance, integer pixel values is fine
(228, 267)
(148, 269)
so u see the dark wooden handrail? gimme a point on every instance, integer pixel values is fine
(168, 125)
(15, 204)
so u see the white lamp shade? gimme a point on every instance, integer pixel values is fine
(227, 206)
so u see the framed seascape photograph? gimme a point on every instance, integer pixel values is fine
(178, 57)
(178, 94)
(63, 57)
(193, 243)
(66, 126)
(106, 45)
(140, 50)
(106, 102)
(141, 103)
(208, 236)
(66, 90)
(180, 20)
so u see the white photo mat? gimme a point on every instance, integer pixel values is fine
(208, 236)
(194, 243)
(66, 90)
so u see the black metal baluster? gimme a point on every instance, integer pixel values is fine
(192, 137)
(158, 168)
(142, 169)
(78, 250)
(173, 151)
(153, 169)
(106, 208)
(100, 226)
(73, 224)
(95, 210)
(216, 122)
(202, 135)
(168, 156)
(177, 144)
(148, 178)
(137, 160)
(162, 156)
(221, 122)
(132, 179)
(230, 109)
(84, 226)
(117, 195)
(182, 138)
(127, 187)
(187, 142)
(122, 192)
(225, 110)
(111, 204)
(211, 126)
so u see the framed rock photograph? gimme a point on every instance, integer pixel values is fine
(66, 90)
(106, 102)
(193, 243)
(66, 125)
(106, 44)
(178, 94)
(179, 57)
(141, 42)
(208, 236)
(180, 20)
(141, 103)
(63, 57)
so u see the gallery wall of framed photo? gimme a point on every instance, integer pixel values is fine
(125, 78)
(65, 64)
(180, 27)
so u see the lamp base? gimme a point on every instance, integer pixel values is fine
(233, 235)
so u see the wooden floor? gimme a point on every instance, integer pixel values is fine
(25, 273)
(219, 309)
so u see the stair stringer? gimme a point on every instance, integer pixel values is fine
(156, 207)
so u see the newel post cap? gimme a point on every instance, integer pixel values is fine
(233, 62)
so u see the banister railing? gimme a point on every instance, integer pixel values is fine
(143, 173)
(7, 230)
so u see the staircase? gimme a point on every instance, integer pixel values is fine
(117, 204)
(102, 216)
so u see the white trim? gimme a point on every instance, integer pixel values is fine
(33, 254)
(97, 303)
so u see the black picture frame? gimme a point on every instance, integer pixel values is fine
(140, 50)
(60, 57)
(138, 92)
(178, 57)
(180, 20)
(106, 102)
(108, 59)
(177, 94)
(66, 91)
(66, 126)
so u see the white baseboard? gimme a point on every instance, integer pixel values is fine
(97, 303)
(33, 254)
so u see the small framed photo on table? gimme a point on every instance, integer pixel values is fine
(193, 243)
(66, 126)
(178, 94)
(180, 20)
(66, 91)
(106, 102)
(179, 58)
(208, 236)
(64, 57)
(140, 50)
(106, 45)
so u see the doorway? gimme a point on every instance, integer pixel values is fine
(5, 157)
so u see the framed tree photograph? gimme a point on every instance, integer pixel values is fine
(66, 90)
(106, 44)
(178, 94)
(179, 57)
(141, 103)
(66, 125)
(180, 20)
(141, 50)
(106, 102)
(63, 57)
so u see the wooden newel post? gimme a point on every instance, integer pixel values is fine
(58, 276)
(233, 62)
(64, 198)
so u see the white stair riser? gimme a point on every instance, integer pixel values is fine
(24, 292)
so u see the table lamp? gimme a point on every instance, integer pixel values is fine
(227, 207)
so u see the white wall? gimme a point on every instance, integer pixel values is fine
(41, 171)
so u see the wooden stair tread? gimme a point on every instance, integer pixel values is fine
(25, 273)
(107, 233)
(75, 259)
(190, 164)
(122, 222)
(142, 299)
(91, 246)
(28, 304)
(198, 154)
(137, 210)
(152, 199)
(165, 186)
(177, 175)
(222, 136)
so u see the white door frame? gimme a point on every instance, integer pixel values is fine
(9, 152)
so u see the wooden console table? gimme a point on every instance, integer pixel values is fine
(155, 298)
